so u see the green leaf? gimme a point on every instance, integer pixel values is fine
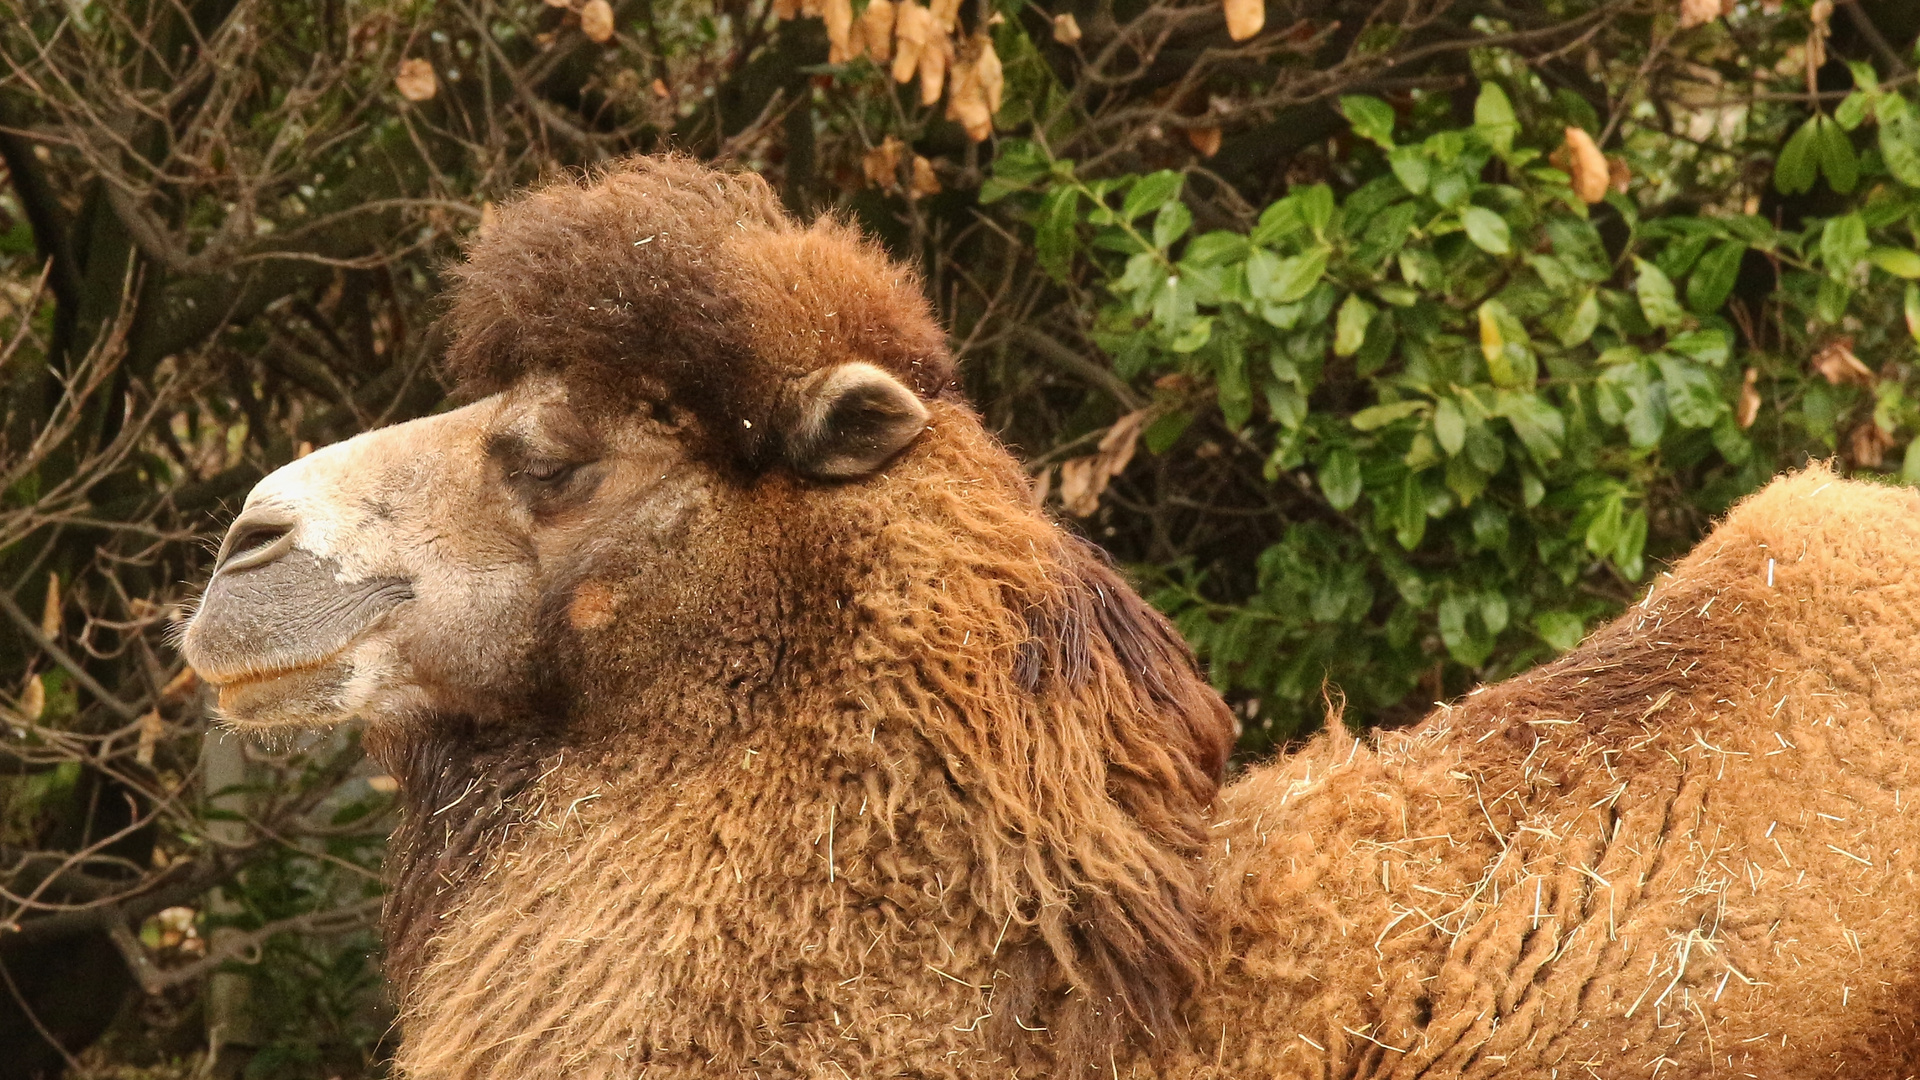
(1560, 629)
(1171, 224)
(1372, 119)
(1278, 221)
(1852, 110)
(1714, 277)
(1710, 346)
(1843, 243)
(1164, 432)
(1216, 248)
(1657, 301)
(1410, 512)
(1465, 479)
(1632, 546)
(1463, 643)
(1603, 529)
(1487, 230)
(1693, 397)
(1340, 478)
(1449, 426)
(1913, 311)
(1505, 345)
(1376, 417)
(1900, 145)
(1900, 262)
(1021, 163)
(1233, 390)
(1798, 166)
(1055, 237)
(1150, 193)
(1910, 467)
(1838, 162)
(1286, 405)
(1493, 117)
(1581, 322)
(1316, 206)
(1538, 424)
(1191, 337)
(1350, 330)
(1409, 164)
(1294, 278)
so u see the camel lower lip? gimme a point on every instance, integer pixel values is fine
(238, 692)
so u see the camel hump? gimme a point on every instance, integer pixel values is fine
(1813, 577)
(1821, 525)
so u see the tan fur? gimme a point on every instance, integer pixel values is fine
(893, 777)
(1689, 843)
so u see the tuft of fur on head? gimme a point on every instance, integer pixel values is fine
(662, 279)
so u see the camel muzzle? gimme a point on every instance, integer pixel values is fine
(275, 617)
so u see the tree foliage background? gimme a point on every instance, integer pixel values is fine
(1393, 344)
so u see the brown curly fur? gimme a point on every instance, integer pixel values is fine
(895, 778)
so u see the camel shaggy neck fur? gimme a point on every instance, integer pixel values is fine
(750, 721)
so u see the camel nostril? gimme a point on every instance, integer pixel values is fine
(254, 543)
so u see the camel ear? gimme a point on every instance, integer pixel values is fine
(848, 421)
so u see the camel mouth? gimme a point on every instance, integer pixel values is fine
(309, 693)
(277, 628)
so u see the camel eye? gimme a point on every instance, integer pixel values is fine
(548, 472)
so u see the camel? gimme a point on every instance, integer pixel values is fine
(750, 721)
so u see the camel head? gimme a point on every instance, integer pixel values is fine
(714, 506)
(626, 400)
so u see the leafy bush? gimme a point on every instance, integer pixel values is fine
(1485, 387)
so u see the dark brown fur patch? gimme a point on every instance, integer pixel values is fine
(662, 278)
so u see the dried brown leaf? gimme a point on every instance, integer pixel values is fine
(911, 28)
(882, 163)
(924, 181)
(986, 65)
(1749, 409)
(1042, 486)
(1122, 438)
(1206, 140)
(1587, 165)
(1836, 363)
(1066, 29)
(945, 14)
(1083, 480)
(811, 9)
(1869, 444)
(786, 9)
(151, 728)
(33, 699)
(416, 80)
(50, 612)
(876, 30)
(180, 687)
(1081, 484)
(1619, 175)
(838, 15)
(1245, 18)
(596, 21)
(1698, 12)
(967, 102)
(934, 60)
